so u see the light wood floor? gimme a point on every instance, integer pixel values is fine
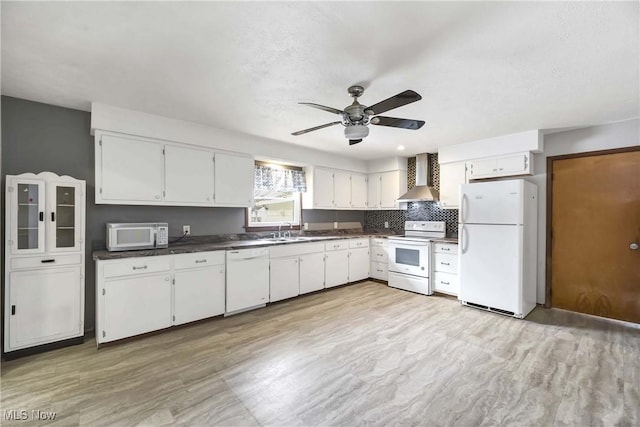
(363, 354)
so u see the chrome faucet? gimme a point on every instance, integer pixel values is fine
(280, 226)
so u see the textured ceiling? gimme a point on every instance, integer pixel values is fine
(483, 68)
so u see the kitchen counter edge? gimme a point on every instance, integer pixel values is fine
(104, 255)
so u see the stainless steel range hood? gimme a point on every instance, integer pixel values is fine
(422, 192)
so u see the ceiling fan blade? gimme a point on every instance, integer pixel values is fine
(354, 141)
(397, 123)
(326, 125)
(322, 107)
(404, 98)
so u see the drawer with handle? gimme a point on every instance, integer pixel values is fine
(358, 243)
(379, 254)
(447, 263)
(446, 283)
(379, 241)
(336, 245)
(198, 259)
(379, 271)
(445, 248)
(45, 261)
(141, 265)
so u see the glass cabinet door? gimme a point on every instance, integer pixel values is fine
(64, 217)
(27, 216)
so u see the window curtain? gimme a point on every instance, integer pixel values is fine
(279, 180)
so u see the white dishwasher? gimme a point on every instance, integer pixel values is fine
(247, 279)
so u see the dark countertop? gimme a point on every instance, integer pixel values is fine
(233, 241)
(446, 240)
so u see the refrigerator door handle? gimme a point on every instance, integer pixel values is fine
(462, 200)
(462, 248)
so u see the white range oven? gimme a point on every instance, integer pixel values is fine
(409, 256)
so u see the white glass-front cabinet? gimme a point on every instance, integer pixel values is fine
(44, 259)
(26, 215)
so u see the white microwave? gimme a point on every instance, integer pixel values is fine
(132, 236)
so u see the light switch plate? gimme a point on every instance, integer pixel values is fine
(306, 225)
(186, 229)
(335, 224)
(386, 224)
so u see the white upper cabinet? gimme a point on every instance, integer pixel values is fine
(342, 189)
(359, 199)
(515, 164)
(384, 189)
(234, 177)
(188, 175)
(334, 189)
(451, 176)
(322, 188)
(143, 171)
(128, 170)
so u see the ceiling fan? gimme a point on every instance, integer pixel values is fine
(356, 117)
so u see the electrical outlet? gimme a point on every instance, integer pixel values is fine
(186, 229)
(386, 224)
(306, 225)
(335, 224)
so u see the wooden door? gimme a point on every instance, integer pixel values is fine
(595, 220)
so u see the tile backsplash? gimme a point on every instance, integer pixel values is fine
(416, 211)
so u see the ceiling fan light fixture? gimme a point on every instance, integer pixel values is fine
(356, 132)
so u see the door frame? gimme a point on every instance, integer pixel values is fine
(549, 235)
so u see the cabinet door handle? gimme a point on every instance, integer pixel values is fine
(198, 261)
(41, 216)
(47, 261)
(53, 216)
(144, 267)
(444, 263)
(444, 283)
(13, 310)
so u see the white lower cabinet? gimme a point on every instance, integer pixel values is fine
(311, 272)
(143, 294)
(336, 263)
(45, 306)
(445, 268)
(379, 258)
(295, 269)
(198, 294)
(358, 259)
(135, 305)
(284, 279)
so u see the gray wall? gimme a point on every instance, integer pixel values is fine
(39, 137)
(321, 215)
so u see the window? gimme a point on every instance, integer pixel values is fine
(277, 196)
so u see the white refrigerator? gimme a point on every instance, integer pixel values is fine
(497, 234)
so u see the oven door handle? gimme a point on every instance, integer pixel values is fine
(412, 244)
